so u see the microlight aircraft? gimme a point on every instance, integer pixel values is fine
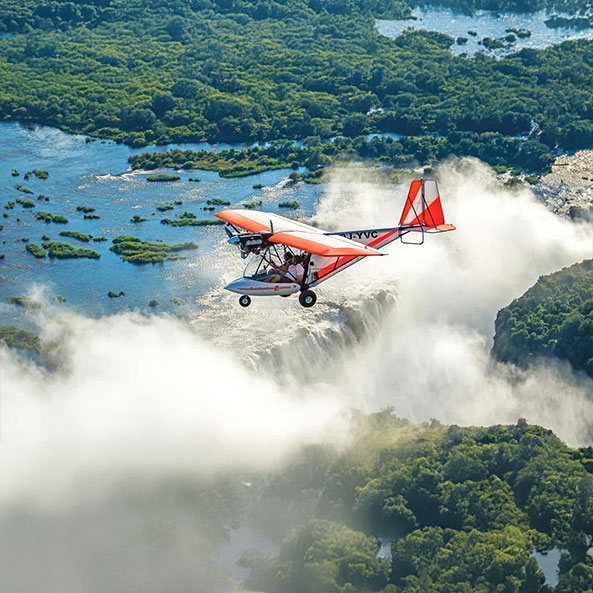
(269, 239)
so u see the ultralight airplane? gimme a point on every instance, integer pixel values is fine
(273, 239)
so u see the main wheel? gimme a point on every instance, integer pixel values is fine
(307, 298)
(245, 301)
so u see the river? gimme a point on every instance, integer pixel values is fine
(96, 174)
(484, 24)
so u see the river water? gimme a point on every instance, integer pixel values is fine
(484, 24)
(97, 175)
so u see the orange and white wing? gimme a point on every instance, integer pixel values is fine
(255, 221)
(295, 234)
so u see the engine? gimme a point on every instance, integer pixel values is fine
(247, 243)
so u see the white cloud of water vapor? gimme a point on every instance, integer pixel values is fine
(137, 400)
(149, 397)
(431, 356)
(140, 396)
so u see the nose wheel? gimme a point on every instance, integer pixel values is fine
(245, 301)
(307, 298)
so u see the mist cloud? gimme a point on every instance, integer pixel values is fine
(135, 402)
(413, 330)
(141, 396)
(430, 357)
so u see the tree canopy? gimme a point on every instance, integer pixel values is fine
(243, 70)
(464, 509)
(554, 318)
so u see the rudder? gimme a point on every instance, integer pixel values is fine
(423, 209)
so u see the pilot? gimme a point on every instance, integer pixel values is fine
(281, 270)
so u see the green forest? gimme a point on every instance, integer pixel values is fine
(554, 318)
(242, 70)
(463, 508)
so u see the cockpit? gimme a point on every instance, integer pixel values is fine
(262, 264)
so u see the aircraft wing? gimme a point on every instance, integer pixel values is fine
(325, 245)
(295, 234)
(255, 221)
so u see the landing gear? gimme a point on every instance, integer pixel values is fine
(245, 301)
(307, 298)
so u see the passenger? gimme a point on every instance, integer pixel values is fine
(296, 270)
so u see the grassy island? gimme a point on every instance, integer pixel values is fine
(137, 251)
(47, 217)
(25, 203)
(26, 302)
(192, 222)
(164, 207)
(22, 339)
(76, 235)
(292, 205)
(163, 177)
(36, 250)
(138, 218)
(66, 251)
(22, 188)
(85, 209)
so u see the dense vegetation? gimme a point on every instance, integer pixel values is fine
(189, 219)
(492, 148)
(22, 339)
(553, 318)
(244, 70)
(59, 250)
(137, 251)
(464, 508)
(36, 250)
(163, 177)
(47, 217)
(76, 235)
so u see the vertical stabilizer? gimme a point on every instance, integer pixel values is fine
(423, 206)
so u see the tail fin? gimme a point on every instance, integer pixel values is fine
(423, 210)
